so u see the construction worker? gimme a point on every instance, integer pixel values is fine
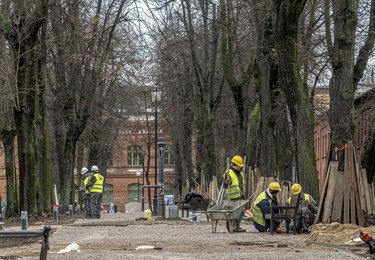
(234, 182)
(262, 205)
(307, 208)
(95, 185)
(85, 176)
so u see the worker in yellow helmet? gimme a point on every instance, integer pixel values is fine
(307, 208)
(261, 207)
(234, 182)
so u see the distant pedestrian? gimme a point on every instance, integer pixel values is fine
(95, 185)
(86, 191)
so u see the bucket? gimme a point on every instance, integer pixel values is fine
(147, 214)
(196, 217)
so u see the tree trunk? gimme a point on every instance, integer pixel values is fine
(341, 88)
(27, 25)
(67, 190)
(45, 159)
(300, 108)
(7, 138)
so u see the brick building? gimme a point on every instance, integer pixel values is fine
(128, 168)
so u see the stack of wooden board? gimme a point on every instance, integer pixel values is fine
(346, 195)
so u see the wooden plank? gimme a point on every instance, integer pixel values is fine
(353, 218)
(338, 198)
(371, 192)
(328, 204)
(358, 175)
(361, 187)
(366, 192)
(347, 189)
(356, 211)
(322, 196)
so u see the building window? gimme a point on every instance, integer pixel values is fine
(134, 156)
(168, 156)
(107, 194)
(134, 192)
(110, 158)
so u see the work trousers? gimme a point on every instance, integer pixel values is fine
(305, 218)
(95, 204)
(261, 228)
(87, 201)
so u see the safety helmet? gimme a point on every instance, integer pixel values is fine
(237, 160)
(84, 170)
(274, 186)
(94, 168)
(296, 188)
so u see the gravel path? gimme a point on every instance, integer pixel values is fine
(116, 236)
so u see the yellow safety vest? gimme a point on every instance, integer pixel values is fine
(98, 185)
(306, 197)
(234, 188)
(257, 212)
(85, 181)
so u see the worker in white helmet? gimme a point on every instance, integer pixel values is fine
(95, 185)
(86, 197)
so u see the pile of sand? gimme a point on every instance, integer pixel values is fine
(336, 233)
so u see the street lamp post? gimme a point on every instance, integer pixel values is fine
(156, 97)
(138, 175)
(161, 205)
(143, 177)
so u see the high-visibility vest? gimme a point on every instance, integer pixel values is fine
(85, 181)
(257, 212)
(98, 185)
(234, 187)
(306, 197)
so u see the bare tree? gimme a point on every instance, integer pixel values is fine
(79, 75)
(286, 27)
(22, 31)
(346, 71)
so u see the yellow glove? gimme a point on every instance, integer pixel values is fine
(308, 202)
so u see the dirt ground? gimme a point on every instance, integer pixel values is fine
(118, 235)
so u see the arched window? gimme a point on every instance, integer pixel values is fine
(134, 192)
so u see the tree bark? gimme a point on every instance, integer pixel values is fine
(206, 88)
(341, 86)
(25, 112)
(300, 109)
(7, 138)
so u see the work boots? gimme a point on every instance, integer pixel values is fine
(236, 227)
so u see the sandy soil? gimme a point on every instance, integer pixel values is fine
(117, 236)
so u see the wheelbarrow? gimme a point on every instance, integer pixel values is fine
(228, 210)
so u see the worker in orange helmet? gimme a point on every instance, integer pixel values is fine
(234, 182)
(307, 208)
(261, 207)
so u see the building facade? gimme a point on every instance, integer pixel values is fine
(132, 166)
